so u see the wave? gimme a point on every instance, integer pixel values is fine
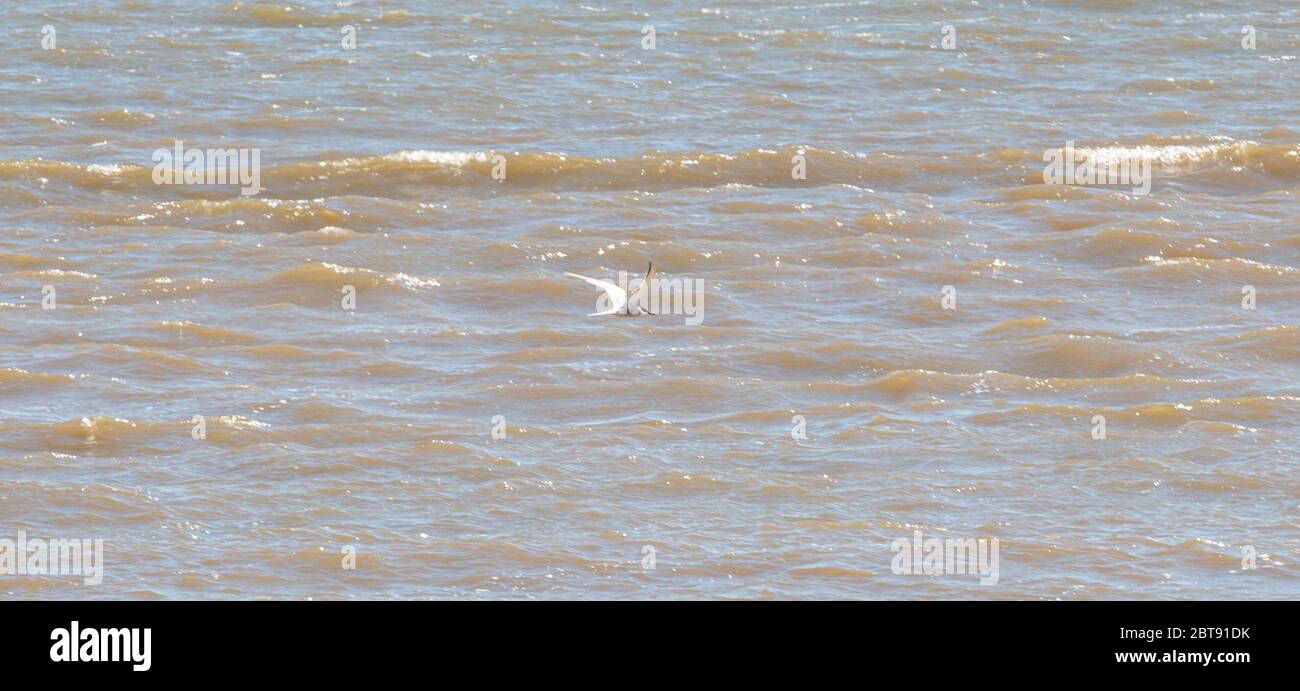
(413, 173)
(288, 16)
(1176, 156)
(14, 375)
(320, 273)
(284, 15)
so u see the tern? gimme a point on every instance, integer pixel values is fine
(618, 300)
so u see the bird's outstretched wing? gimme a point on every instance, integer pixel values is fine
(617, 296)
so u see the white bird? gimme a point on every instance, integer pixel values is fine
(618, 301)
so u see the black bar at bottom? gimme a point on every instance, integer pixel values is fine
(207, 641)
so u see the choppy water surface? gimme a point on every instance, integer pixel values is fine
(372, 427)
